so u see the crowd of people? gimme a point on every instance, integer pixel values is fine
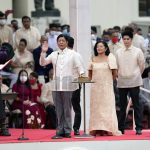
(42, 69)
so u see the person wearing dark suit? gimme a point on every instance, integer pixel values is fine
(75, 98)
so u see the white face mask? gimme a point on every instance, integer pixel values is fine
(58, 33)
(2, 21)
(52, 33)
(93, 36)
(23, 78)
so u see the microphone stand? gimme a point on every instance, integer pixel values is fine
(22, 134)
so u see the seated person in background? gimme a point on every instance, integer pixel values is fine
(6, 54)
(42, 71)
(145, 96)
(47, 99)
(36, 89)
(23, 59)
(23, 102)
(3, 130)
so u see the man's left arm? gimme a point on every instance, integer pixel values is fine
(141, 61)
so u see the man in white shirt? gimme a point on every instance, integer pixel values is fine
(114, 43)
(28, 32)
(138, 40)
(65, 62)
(76, 95)
(52, 38)
(6, 33)
(130, 62)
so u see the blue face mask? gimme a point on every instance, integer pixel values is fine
(52, 33)
(65, 32)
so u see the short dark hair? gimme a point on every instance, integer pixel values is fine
(70, 42)
(65, 26)
(94, 29)
(107, 52)
(128, 29)
(62, 35)
(26, 17)
(51, 25)
(117, 28)
(24, 40)
(14, 21)
(34, 74)
(127, 33)
(2, 14)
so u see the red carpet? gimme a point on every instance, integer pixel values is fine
(40, 135)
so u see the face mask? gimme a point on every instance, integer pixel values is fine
(32, 81)
(23, 79)
(58, 33)
(52, 33)
(65, 32)
(2, 21)
(93, 36)
(114, 40)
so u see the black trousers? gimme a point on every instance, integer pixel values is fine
(2, 114)
(77, 108)
(134, 94)
(51, 119)
(2, 110)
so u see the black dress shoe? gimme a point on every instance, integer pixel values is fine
(57, 136)
(76, 132)
(67, 135)
(5, 133)
(138, 132)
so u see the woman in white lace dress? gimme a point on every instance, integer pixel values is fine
(102, 70)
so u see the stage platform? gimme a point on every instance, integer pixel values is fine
(40, 139)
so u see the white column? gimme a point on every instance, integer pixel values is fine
(80, 24)
(20, 8)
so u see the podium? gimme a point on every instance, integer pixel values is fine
(83, 81)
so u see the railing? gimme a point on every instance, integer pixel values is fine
(130, 103)
(145, 90)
